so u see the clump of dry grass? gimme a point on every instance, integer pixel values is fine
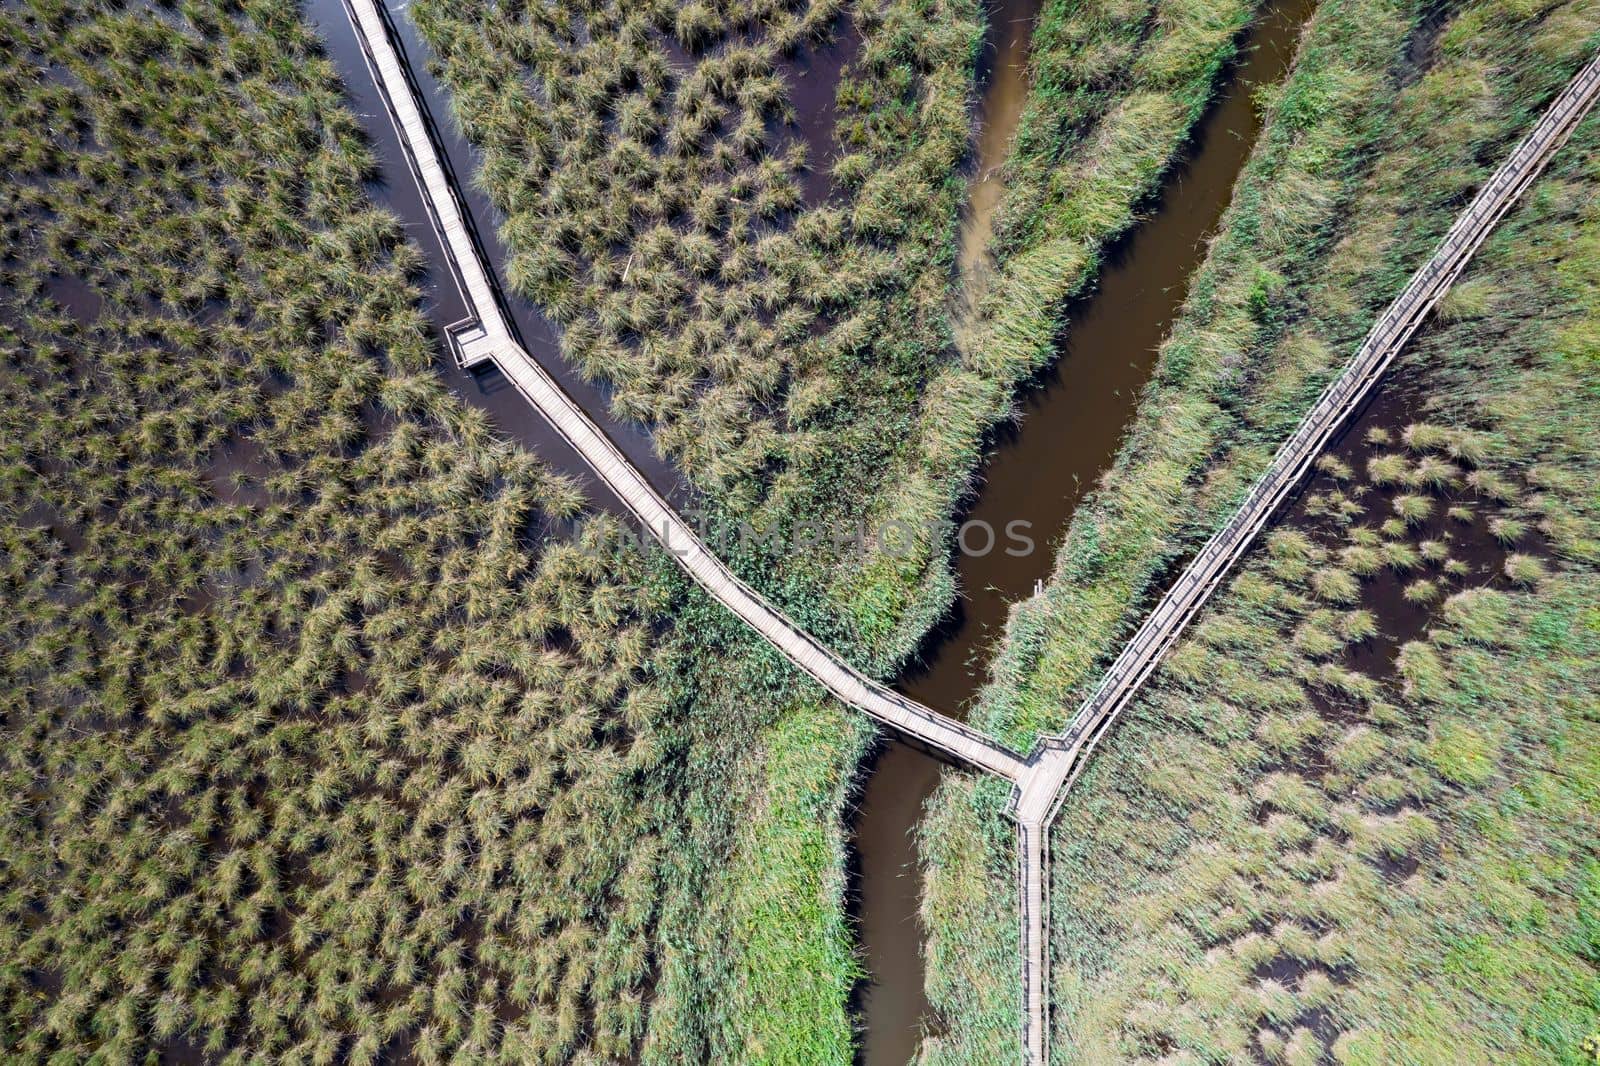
(337, 747)
(1524, 569)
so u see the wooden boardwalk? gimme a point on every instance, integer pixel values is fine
(1039, 782)
(486, 336)
(1058, 760)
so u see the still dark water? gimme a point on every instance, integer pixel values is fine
(1071, 424)
(1075, 417)
(485, 388)
(1072, 420)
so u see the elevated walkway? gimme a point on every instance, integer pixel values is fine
(1040, 781)
(486, 336)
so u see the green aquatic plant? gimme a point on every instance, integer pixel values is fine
(1388, 469)
(352, 731)
(1507, 529)
(1412, 508)
(1422, 590)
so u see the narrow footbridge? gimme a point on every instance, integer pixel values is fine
(1056, 763)
(1039, 781)
(487, 336)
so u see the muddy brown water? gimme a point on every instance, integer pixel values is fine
(1072, 423)
(1073, 420)
(1075, 417)
(1003, 83)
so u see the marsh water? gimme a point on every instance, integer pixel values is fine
(1072, 421)
(486, 388)
(1003, 89)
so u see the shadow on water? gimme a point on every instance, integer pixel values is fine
(485, 388)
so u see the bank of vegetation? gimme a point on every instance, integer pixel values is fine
(334, 727)
(1342, 820)
(803, 356)
(803, 359)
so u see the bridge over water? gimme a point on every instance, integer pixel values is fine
(1041, 779)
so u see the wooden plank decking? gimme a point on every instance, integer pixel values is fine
(1058, 761)
(487, 336)
(1041, 780)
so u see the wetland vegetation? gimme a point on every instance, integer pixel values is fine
(1297, 843)
(332, 729)
(335, 727)
(338, 728)
(646, 144)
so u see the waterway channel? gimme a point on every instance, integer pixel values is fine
(1073, 418)
(1075, 414)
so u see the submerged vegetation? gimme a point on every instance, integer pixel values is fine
(335, 728)
(653, 184)
(1347, 818)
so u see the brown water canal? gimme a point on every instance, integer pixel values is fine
(893, 1005)
(1075, 416)
(1073, 420)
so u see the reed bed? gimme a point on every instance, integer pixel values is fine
(335, 727)
(650, 169)
(1298, 843)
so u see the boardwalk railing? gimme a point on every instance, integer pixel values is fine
(487, 336)
(1040, 782)
(1033, 884)
(1058, 760)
